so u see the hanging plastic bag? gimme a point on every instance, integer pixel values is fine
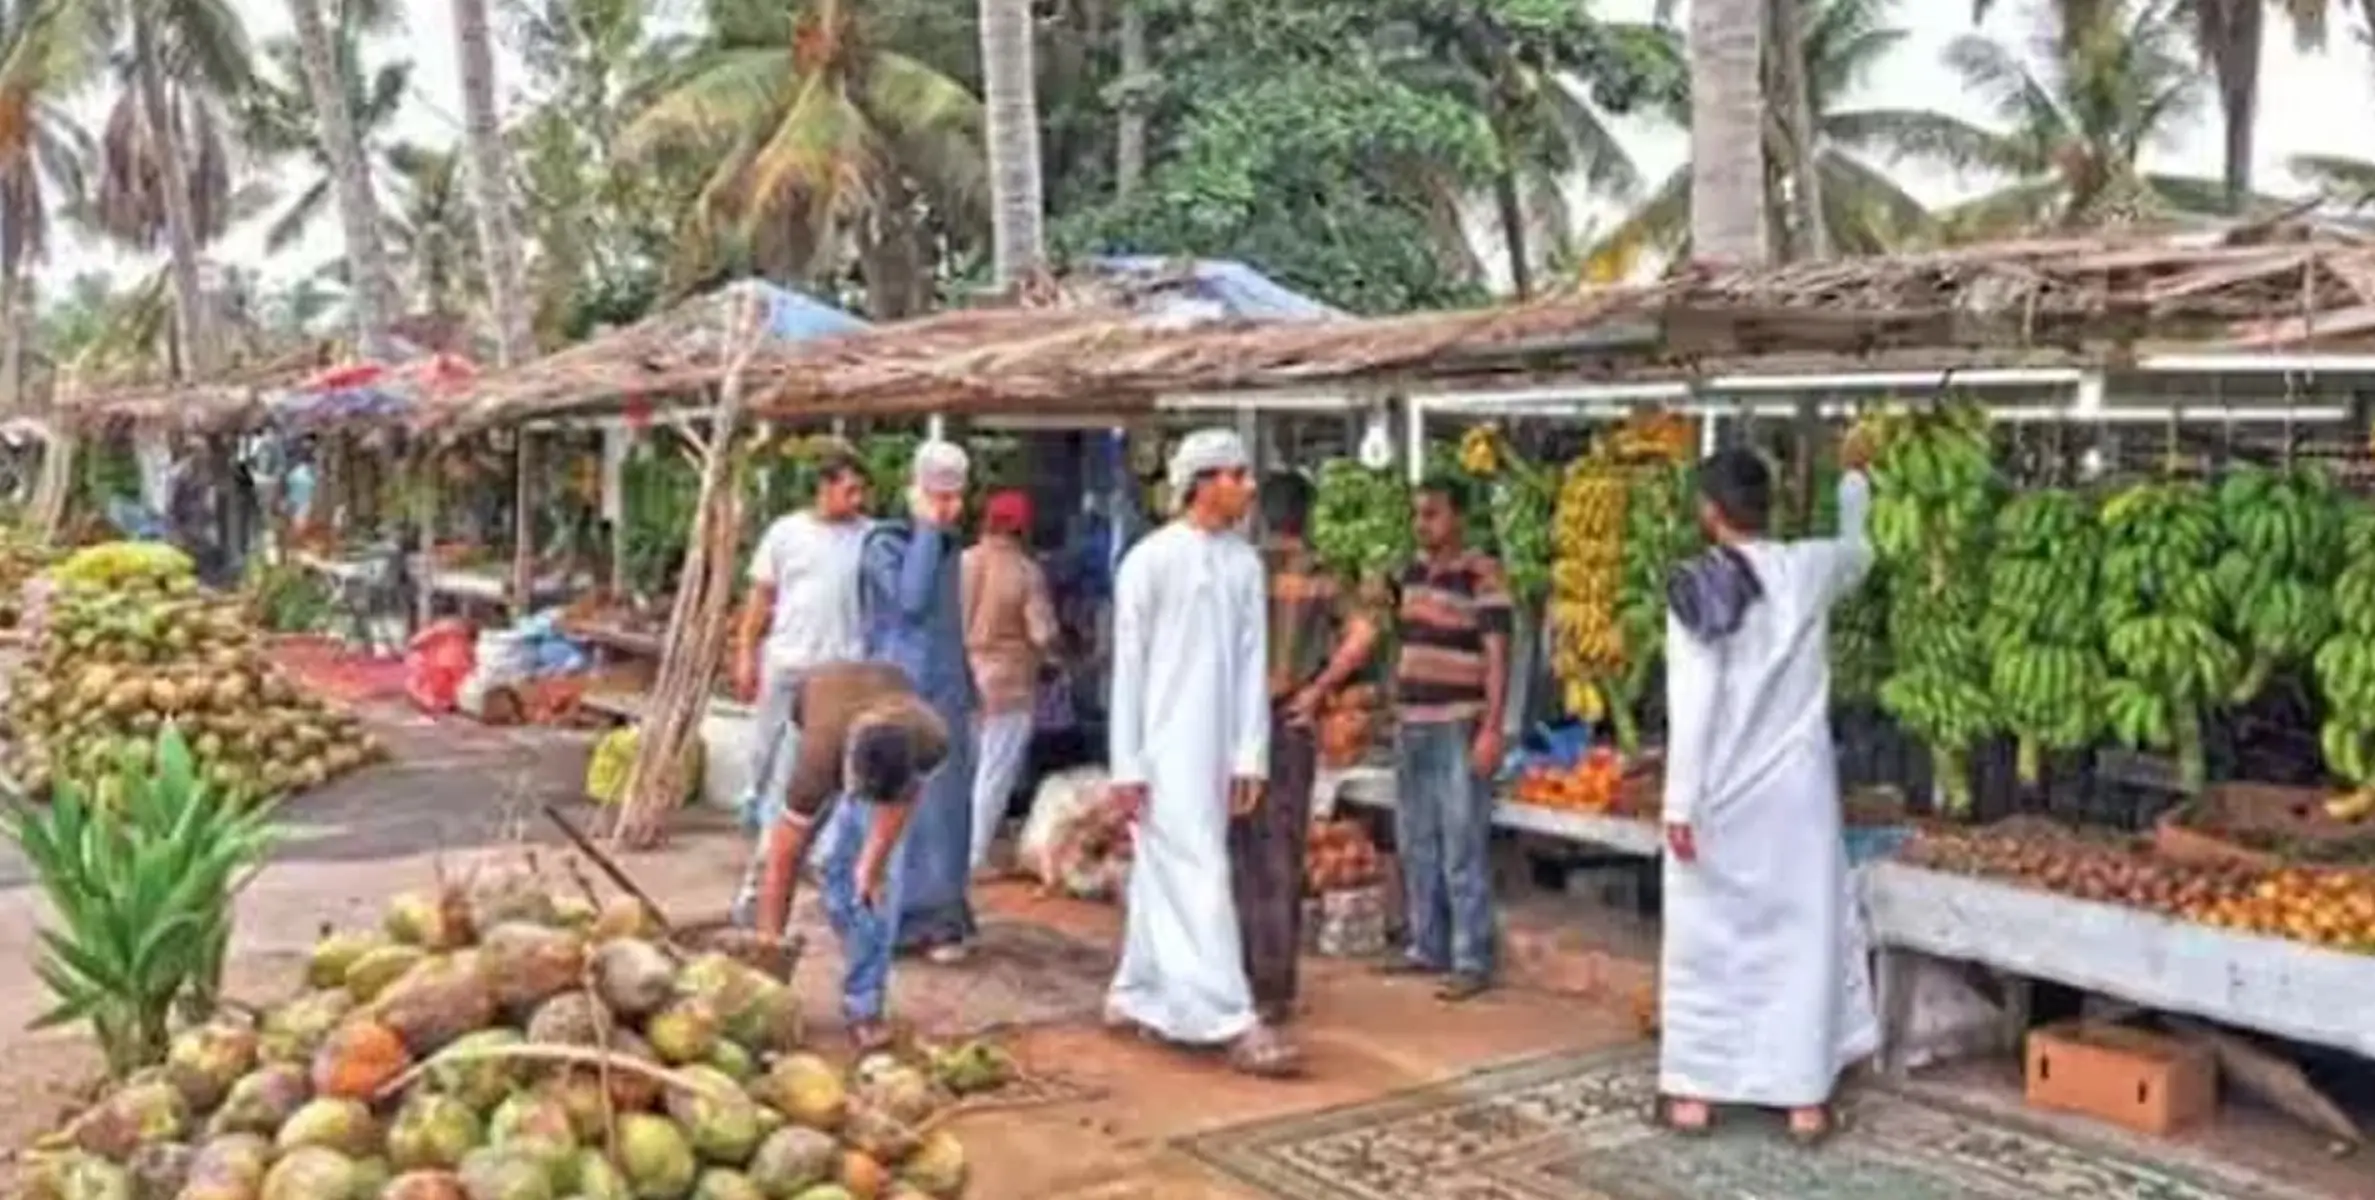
(435, 663)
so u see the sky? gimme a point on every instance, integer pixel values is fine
(2318, 103)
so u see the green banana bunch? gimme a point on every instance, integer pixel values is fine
(1521, 517)
(2040, 630)
(2345, 667)
(2162, 608)
(1934, 489)
(2284, 533)
(1659, 532)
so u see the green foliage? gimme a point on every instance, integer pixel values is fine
(141, 888)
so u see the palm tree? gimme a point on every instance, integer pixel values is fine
(430, 229)
(276, 118)
(490, 185)
(2079, 117)
(841, 144)
(2346, 181)
(1526, 82)
(1011, 105)
(1863, 210)
(179, 65)
(43, 156)
(1727, 168)
(375, 303)
(2229, 34)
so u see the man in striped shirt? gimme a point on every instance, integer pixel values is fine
(1449, 681)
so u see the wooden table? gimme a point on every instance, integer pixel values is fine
(2290, 989)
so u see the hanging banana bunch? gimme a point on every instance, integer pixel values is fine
(2284, 542)
(2040, 628)
(2162, 606)
(1659, 532)
(1587, 546)
(1933, 484)
(2346, 672)
(1858, 646)
(1519, 515)
(1654, 435)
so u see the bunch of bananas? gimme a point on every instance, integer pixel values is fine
(1933, 482)
(1360, 521)
(1480, 451)
(2284, 537)
(1521, 516)
(2040, 625)
(1659, 532)
(1652, 435)
(2161, 609)
(1586, 571)
(2346, 672)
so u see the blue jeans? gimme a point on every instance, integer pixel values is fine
(869, 933)
(1443, 827)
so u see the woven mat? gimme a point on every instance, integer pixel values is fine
(1572, 1127)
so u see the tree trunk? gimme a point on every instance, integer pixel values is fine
(1727, 132)
(1787, 51)
(19, 318)
(1129, 135)
(1010, 101)
(2231, 32)
(181, 225)
(1512, 212)
(374, 288)
(490, 185)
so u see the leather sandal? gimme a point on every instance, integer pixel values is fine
(1661, 1116)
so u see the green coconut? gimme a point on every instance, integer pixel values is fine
(481, 1083)
(806, 1090)
(733, 1061)
(828, 1191)
(425, 1185)
(292, 1032)
(78, 1176)
(262, 1100)
(313, 1173)
(718, 1117)
(877, 1134)
(718, 1183)
(332, 1123)
(230, 1167)
(204, 1062)
(578, 1091)
(371, 1175)
(937, 1165)
(496, 1174)
(794, 1158)
(433, 1131)
(971, 1068)
(599, 1179)
(423, 919)
(335, 954)
(683, 1032)
(897, 1090)
(624, 916)
(376, 968)
(655, 1157)
(144, 1111)
(536, 1126)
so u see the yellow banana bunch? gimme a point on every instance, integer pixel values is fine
(1586, 573)
(1480, 451)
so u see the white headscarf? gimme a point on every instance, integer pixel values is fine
(940, 467)
(1205, 450)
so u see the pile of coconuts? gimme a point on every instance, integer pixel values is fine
(115, 664)
(495, 1042)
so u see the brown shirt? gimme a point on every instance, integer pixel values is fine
(1448, 609)
(836, 698)
(1010, 624)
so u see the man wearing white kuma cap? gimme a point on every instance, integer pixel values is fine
(1190, 747)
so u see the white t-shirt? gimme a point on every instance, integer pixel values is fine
(813, 565)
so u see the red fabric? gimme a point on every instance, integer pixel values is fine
(638, 413)
(436, 662)
(1008, 512)
(340, 378)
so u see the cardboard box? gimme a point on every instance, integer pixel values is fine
(2141, 1081)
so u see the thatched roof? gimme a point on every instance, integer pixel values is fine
(1086, 346)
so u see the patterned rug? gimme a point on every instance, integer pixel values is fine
(1570, 1127)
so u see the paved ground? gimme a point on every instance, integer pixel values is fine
(1105, 1114)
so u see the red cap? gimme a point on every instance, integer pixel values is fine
(1007, 512)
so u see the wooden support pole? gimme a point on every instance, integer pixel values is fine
(523, 525)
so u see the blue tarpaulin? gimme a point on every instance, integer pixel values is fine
(795, 316)
(1239, 291)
